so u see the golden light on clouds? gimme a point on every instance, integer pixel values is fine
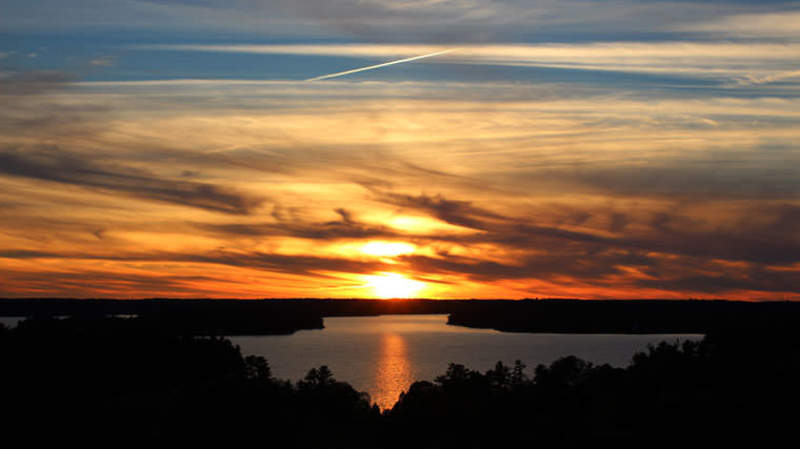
(387, 249)
(486, 190)
(423, 225)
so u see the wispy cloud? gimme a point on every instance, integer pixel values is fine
(105, 61)
(378, 66)
(708, 60)
(783, 25)
(777, 77)
(56, 165)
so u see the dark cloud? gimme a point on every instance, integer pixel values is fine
(604, 269)
(460, 213)
(26, 254)
(27, 111)
(754, 244)
(33, 82)
(50, 163)
(292, 264)
(769, 240)
(314, 231)
(578, 264)
(618, 221)
(774, 239)
(746, 172)
(757, 279)
(767, 176)
(94, 283)
(672, 250)
(346, 228)
(347, 216)
(282, 263)
(786, 221)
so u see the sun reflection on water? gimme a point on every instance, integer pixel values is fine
(393, 370)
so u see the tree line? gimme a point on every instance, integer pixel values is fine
(125, 381)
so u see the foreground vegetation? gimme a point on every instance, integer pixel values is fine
(124, 381)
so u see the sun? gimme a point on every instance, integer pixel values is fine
(393, 285)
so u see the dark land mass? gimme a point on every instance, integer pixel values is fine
(632, 317)
(283, 316)
(116, 381)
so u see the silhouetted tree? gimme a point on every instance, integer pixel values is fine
(455, 373)
(500, 376)
(257, 368)
(566, 371)
(317, 377)
(518, 376)
(96, 379)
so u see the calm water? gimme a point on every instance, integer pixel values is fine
(10, 321)
(383, 355)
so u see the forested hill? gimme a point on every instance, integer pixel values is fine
(282, 316)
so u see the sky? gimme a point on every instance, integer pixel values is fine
(555, 148)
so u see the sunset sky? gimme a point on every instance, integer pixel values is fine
(582, 149)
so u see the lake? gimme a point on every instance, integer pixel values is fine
(383, 355)
(10, 321)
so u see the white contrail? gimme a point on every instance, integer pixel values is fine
(348, 72)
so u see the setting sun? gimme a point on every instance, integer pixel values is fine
(393, 285)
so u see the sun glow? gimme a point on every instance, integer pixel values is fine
(387, 249)
(393, 285)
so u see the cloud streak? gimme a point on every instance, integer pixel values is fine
(56, 165)
(705, 60)
(378, 66)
